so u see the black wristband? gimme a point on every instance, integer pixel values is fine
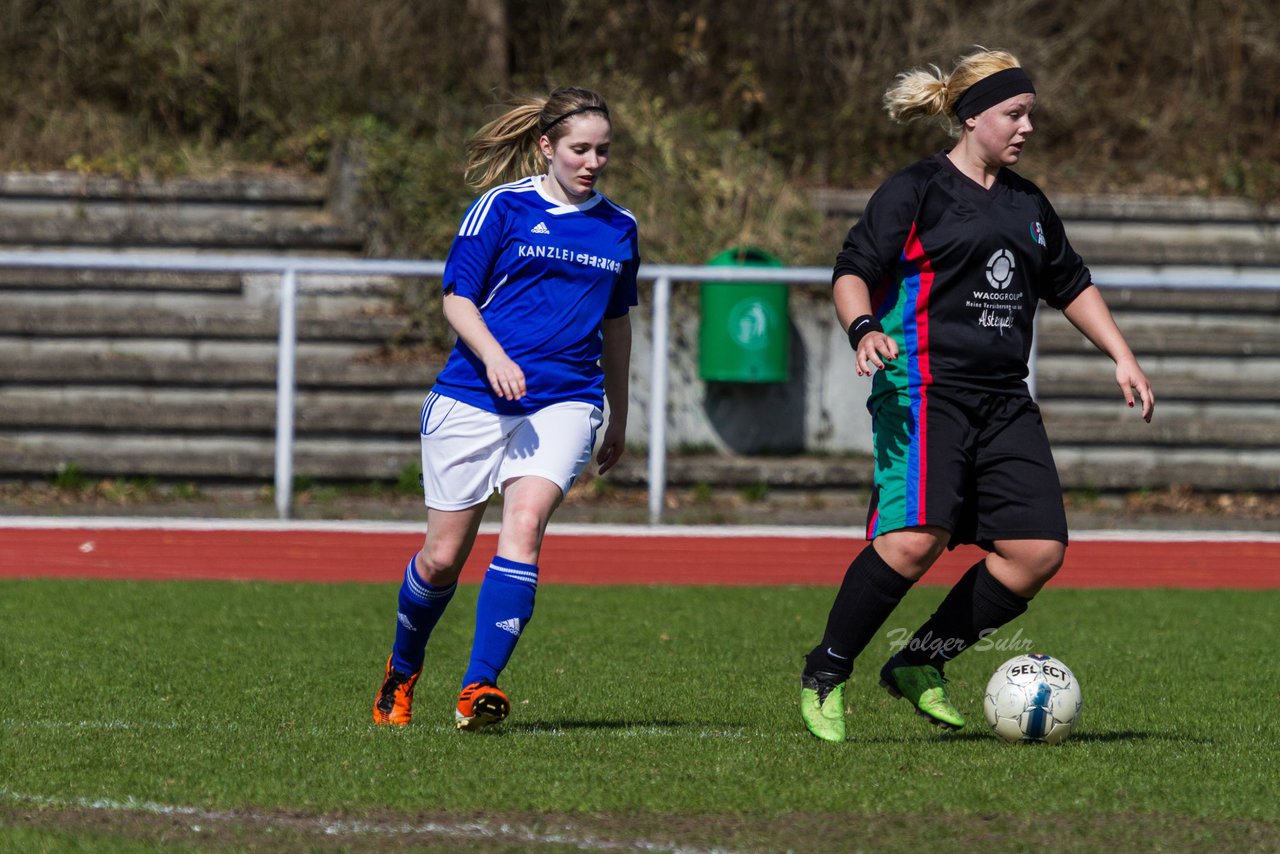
(860, 327)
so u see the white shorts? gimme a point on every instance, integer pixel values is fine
(469, 452)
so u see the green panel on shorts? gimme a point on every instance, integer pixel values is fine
(896, 475)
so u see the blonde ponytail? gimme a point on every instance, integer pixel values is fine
(508, 145)
(930, 95)
(504, 144)
(917, 95)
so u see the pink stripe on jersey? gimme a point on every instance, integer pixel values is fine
(914, 252)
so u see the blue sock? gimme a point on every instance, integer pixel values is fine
(502, 612)
(419, 608)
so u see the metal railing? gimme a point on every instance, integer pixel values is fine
(663, 276)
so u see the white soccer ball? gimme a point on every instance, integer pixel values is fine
(1033, 698)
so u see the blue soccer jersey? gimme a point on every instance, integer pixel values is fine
(544, 276)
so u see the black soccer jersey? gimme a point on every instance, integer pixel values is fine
(956, 271)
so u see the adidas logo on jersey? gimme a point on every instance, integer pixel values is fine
(512, 625)
(540, 228)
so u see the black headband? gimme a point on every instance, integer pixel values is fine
(559, 119)
(991, 90)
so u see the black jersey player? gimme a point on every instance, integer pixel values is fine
(938, 285)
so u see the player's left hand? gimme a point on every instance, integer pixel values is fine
(505, 377)
(873, 351)
(612, 446)
(1133, 383)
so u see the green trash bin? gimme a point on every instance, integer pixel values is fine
(745, 331)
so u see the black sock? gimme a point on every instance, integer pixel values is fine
(977, 605)
(867, 596)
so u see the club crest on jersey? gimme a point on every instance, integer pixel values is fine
(1000, 269)
(1037, 234)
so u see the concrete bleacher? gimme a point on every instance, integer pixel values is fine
(1215, 367)
(254, 213)
(172, 376)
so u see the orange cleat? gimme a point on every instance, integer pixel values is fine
(480, 705)
(393, 705)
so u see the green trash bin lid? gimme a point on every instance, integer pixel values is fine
(745, 256)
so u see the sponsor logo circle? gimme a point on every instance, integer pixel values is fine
(1000, 269)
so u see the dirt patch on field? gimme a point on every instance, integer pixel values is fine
(492, 832)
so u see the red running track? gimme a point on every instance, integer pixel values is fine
(616, 556)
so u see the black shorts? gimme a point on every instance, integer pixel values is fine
(975, 463)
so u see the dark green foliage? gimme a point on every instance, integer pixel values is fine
(802, 81)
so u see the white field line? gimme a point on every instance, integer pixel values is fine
(501, 831)
(95, 523)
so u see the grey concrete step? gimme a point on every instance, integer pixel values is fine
(1187, 378)
(97, 228)
(689, 470)
(1200, 424)
(88, 302)
(209, 317)
(263, 213)
(201, 364)
(58, 282)
(211, 411)
(1150, 334)
(1147, 208)
(293, 190)
(80, 210)
(235, 458)
(1220, 301)
(1111, 468)
(1250, 246)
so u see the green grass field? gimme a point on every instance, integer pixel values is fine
(137, 716)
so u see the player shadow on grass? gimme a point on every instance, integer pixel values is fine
(982, 735)
(1134, 735)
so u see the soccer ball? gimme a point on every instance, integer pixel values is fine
(1032, 698)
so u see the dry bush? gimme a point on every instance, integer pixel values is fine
(212, 72)
(1194, 109)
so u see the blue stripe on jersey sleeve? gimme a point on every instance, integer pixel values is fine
(469, 265)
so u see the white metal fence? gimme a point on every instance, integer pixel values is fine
(294, 270)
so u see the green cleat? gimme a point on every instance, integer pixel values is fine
(822, 704)
(922, 685)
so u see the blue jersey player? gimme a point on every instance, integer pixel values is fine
(538, 285)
